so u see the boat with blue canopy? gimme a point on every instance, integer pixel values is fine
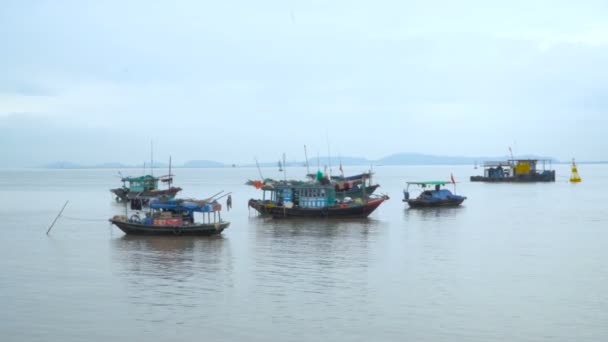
(174, 217)
(432, 195)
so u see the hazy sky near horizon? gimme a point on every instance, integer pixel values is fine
(96, 81)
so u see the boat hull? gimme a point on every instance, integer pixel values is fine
(358, 211)
(416, 203)
(547, 176)
(131, 228)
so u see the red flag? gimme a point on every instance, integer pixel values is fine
(452, 178)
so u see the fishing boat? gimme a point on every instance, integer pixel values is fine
(435, 197)
(287, 199)
(144, 187)
(516, 170)
(174, 217)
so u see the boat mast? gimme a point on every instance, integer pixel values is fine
(328, 155)
(284, 168)
(259, 170)
(152, 158)
(170, 182)
(306, 156)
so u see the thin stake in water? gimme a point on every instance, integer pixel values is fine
(56, 218)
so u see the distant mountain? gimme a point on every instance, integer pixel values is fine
(202, 163)
(393, 159)
(423, 159)
(337, 160)
(108, 165)
(62, 165)
(111, 166)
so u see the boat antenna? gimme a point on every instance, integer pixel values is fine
(259, 170)
(306, 156)
(152, 158)
(170, 175)
(284, 168)
(328, 154)
(318, 162)
(144, 167)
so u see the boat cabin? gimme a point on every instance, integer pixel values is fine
(308, 195)
(428, 189)
(177, 212)
(140, 184)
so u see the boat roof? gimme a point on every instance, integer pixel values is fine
(511, 162)
(429, 183)
(495, 163)
(138, 179)
(184, 205)
(353, 177)
(272, 184)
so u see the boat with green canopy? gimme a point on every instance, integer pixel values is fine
(144, 187)
(432, 195)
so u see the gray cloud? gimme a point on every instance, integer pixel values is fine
(465, 79)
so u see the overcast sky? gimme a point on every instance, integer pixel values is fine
(96, 81)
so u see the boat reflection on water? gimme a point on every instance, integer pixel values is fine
(432, 214)
(314, 261)
(321, 228)
(172, 254)
(172, 272)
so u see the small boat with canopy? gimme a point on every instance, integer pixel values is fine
(432, 195)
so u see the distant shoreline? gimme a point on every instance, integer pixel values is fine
(430, 161)
(401, 159)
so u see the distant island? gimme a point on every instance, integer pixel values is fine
(393, 159)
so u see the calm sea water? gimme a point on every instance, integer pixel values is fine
(519, 262)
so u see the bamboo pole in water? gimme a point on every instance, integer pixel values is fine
(56, 218)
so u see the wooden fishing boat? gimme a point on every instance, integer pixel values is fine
(310, 200)
(174, 217)
(437, 197)
(144, 187)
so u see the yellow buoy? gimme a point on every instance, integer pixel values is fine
(574, 177)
